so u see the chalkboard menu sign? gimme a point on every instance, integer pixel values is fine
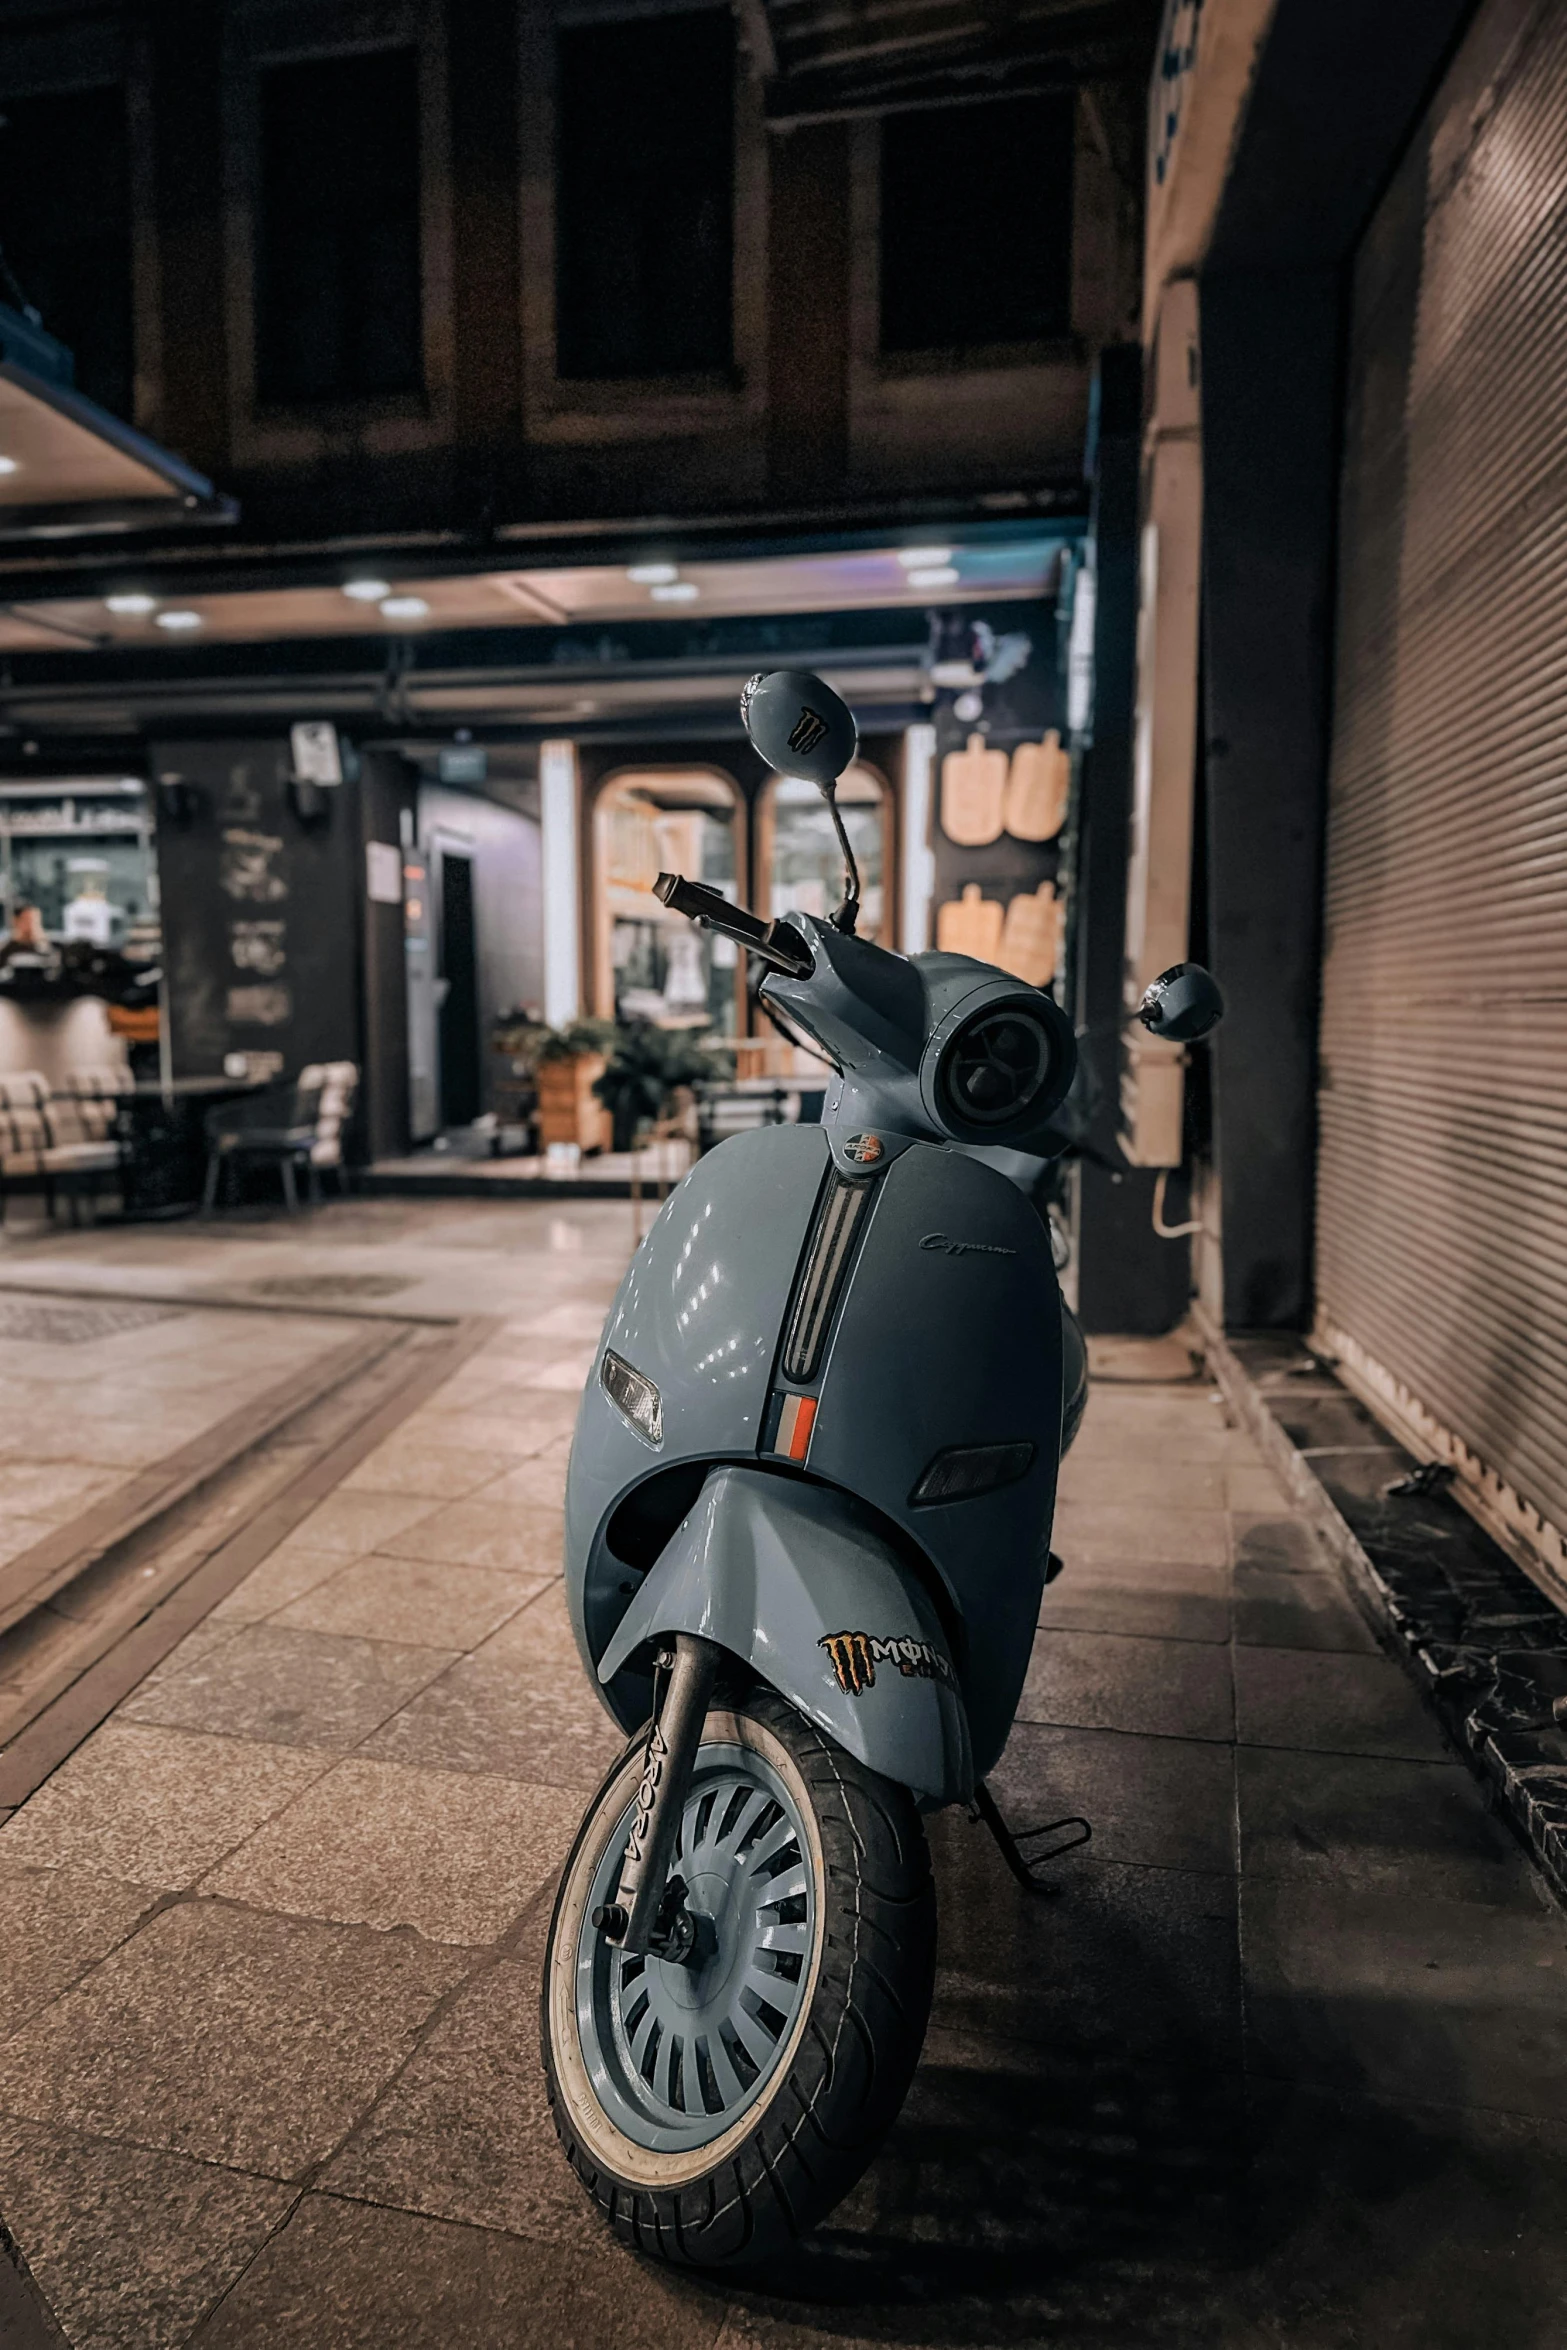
(261, 910)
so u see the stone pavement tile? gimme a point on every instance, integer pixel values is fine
(1138, 1961)
(1078, 1602)
(1399, 2225)
(1253, 1489)
(492, 1712)
(1147, 1428)
(413, 1600)
(1141, 1533)
(1026, 2196)
(237, 2038)
(131, 2248)
(486, 1534)
(1276, 1544)
(1332, 1704)
(465, 2132)
(285, 1574)
(54, 1925)
(576, 1319)
(506, 1436)
(1391, 1993)
(521, 1420)
(350, 2276)
(1106, 1681)
(1174, 1485)
(290, 1688)
(1420, 1827)
(154, 1807)
(51, 1489)
(1158, 1802)
(453, 1854)
(443, 1472)
(211, 1633)
(538, 1484)
(360, 1522)
(1274, 1610)
(18, 1534)
(564, 1374)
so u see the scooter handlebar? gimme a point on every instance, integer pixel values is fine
(777, 944)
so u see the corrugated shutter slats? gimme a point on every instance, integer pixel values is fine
(1442, 1169)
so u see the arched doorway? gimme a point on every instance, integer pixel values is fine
(800, 866)
(650, 964)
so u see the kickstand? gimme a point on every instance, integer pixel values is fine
(1025, 1866)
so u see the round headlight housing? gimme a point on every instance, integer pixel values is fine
(1002, 1067)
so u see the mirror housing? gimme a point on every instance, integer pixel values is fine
(799, 726)
(1183, 1004)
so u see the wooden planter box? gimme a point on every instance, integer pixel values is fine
(569, 1110)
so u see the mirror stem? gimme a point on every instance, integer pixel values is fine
(844, 916)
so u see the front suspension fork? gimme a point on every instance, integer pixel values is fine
(632, 1919)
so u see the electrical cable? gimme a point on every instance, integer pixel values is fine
(1164, 1230)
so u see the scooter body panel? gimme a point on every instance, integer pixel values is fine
(798, 1581)
(950, 1337)
(699, 1313)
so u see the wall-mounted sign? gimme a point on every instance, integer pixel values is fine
(317, 757)
(383, 873)
(463, 763)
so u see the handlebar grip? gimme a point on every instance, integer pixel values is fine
(775, 942)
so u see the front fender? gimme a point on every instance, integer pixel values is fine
(797, 1581)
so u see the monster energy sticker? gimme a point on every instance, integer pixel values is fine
(855, 1656)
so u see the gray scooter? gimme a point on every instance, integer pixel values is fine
(807, 1527)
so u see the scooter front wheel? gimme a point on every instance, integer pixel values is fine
(716, 2109)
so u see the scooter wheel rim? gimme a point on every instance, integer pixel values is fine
(677, 2055)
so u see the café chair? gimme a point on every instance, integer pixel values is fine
(287, 1126)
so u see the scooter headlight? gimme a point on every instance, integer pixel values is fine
(635, 1397)
(995, 1069)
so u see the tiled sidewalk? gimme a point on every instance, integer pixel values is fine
(1285, 2063)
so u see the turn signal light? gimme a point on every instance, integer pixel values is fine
(966, 1470)
(633, 1396)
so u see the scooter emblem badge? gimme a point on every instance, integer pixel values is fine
(864, 1149)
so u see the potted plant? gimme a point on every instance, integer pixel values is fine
(646, 1070)
(568, 1062)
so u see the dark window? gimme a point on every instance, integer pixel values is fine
(645, 197)
(976, 225)
(65, 224)
(338, 311)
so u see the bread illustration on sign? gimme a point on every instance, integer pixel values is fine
(1038, 789)
(973, 788)
(970, 925)
(1031, 936)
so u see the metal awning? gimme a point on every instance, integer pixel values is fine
(823, 58)
(70, 468)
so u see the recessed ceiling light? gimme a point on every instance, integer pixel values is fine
(133, 605)
(179, 619)
(924, 558)
(677, 591)
(404, 608)
(8, 465)
(940, 575)
(367, 591)
(653, 575)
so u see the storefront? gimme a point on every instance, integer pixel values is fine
(1376, 709)
(1441, 1270)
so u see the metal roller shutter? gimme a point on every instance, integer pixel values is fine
(1442, 1169)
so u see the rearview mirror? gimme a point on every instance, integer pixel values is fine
(1183, 1004)
(799, 726)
